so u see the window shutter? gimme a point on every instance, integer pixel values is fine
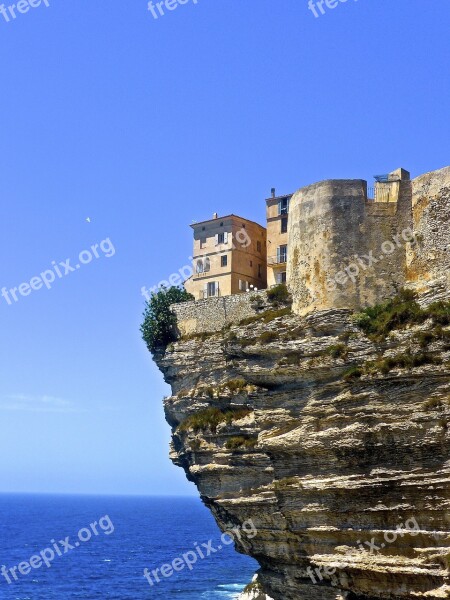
(225, 237)
(205, 290)
(217, 239)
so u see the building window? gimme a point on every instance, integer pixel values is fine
(224, 261)
(251, 263)
(203, 228)
(282, 254)
(221, 224)
(243, 285)
(260, 271)
(281, 277)
(284, 225)
(212, 289)
(283, 206)
(203, 266)
(222, 238)
(258, 246)
(202, 242)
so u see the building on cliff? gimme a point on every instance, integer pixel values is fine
(229, 257)
(337, 243)
(277, 214)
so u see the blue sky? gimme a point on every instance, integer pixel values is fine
(142, 126)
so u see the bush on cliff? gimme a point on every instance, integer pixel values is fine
(278, 294)
(400, 312)
(159, 325)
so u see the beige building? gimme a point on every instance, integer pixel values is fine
(229, 257)
(277, 237)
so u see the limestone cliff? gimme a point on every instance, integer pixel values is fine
(335, 443)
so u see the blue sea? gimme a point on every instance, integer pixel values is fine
(138, 533)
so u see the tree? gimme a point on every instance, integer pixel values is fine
(159, 326)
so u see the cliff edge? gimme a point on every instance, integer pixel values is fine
(333, 441)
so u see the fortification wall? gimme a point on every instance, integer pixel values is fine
(341, 253)
(348, 252)
(213, 314)
(429, 258)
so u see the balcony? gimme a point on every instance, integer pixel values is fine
(202, 274)
(280, 259)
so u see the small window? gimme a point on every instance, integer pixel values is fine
(221, 238)
(224, 261)
(199, 266)
(283, 206)
(212, 289)
(282, 254)
(221, 224)
(203, 228)
(202, 242)
(258, 246)
(260, 271)
(207, 266)
(281, 277)
(284, 225)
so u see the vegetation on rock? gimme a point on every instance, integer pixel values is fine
(401, 311)
(158, 328)
(211, 418)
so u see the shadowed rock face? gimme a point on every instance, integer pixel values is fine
(345, 479)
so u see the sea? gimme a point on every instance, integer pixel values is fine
(102, 545)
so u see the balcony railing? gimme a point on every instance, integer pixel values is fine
(280, 259)
(202, 274)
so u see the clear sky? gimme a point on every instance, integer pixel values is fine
(143, 125)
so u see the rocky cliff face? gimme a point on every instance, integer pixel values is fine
(336, 445)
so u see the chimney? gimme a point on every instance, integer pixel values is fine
(272, 191)
(215, 216)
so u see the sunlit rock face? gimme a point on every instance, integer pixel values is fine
(344, 473)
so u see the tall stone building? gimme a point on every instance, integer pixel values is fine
(229, 257)
(277, 213)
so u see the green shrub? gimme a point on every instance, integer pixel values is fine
(352, 374)
(158, 328)
(278, 294)
(405, 360)
(398, 313)
(268, 336)
(235, 443)
(266, 316)
(336, 351)
(234, 385)
(211, 418)
(439, 312)
(424, 338)
(291, 359)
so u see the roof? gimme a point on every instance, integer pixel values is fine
(279, 197)
(193, 225)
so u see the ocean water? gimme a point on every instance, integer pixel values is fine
(138, 533)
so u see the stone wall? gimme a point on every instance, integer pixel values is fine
(348, 252)
(212, 314)
(429, 259)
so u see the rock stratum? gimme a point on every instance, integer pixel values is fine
(335, 444)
